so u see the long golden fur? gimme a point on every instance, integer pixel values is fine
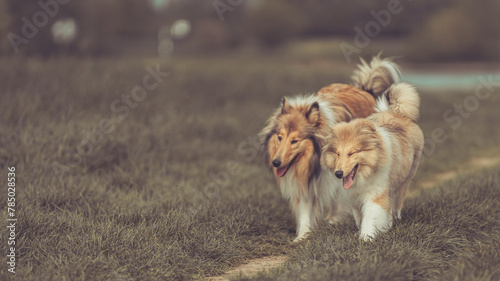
(294, 135)
(376, 159)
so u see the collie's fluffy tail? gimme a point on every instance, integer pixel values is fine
(401, 99)
(376, 77)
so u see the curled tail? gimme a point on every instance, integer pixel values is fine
(401, 99)
(376, 77)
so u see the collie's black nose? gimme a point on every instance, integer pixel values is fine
(276, 163)
(339, 173)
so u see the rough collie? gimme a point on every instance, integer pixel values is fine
(295, 134)
(375, 160)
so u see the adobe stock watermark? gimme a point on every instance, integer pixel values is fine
(372, 29)
(11, 220)
(454, 116)
(223, 6)
(40, 19)
(120, 108)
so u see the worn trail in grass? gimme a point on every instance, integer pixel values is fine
(475, 165)
(447, 233)
(255, 266)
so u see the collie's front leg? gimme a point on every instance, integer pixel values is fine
(334, 213)
(357, 217)
(375, 219)
(303, 214)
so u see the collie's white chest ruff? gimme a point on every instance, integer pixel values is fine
(309, 204)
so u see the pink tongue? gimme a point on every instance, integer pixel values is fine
(348, 181)
(281, 171)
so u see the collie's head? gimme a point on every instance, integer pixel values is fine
(352, 150)
(291, 139)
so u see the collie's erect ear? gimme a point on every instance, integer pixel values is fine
(312, 114)
(368, 134)
(285, 107)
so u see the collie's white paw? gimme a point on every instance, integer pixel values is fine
(301, 238)
(398, 214)
(367, 237)
(334, 220)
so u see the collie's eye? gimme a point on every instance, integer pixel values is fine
(279, 138)
(294, 141)
(350, 154)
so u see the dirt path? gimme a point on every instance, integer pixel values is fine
(252, 267)
(257, 265)
(475, 163)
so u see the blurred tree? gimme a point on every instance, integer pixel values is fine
(100, 22)
(275, 22)
(339, 17)
(25, 35)
(463, 31)
(137, 18)
(327, 18)
(4, 28)
(445, 29)
(211, 35)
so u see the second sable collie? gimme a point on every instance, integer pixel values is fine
(376, 159)
(294, 135)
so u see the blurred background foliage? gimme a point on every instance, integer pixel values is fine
(426, 29)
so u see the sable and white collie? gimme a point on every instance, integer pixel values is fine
(375, 159)
(295, 134)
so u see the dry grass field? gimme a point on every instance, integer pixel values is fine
(164, 182)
